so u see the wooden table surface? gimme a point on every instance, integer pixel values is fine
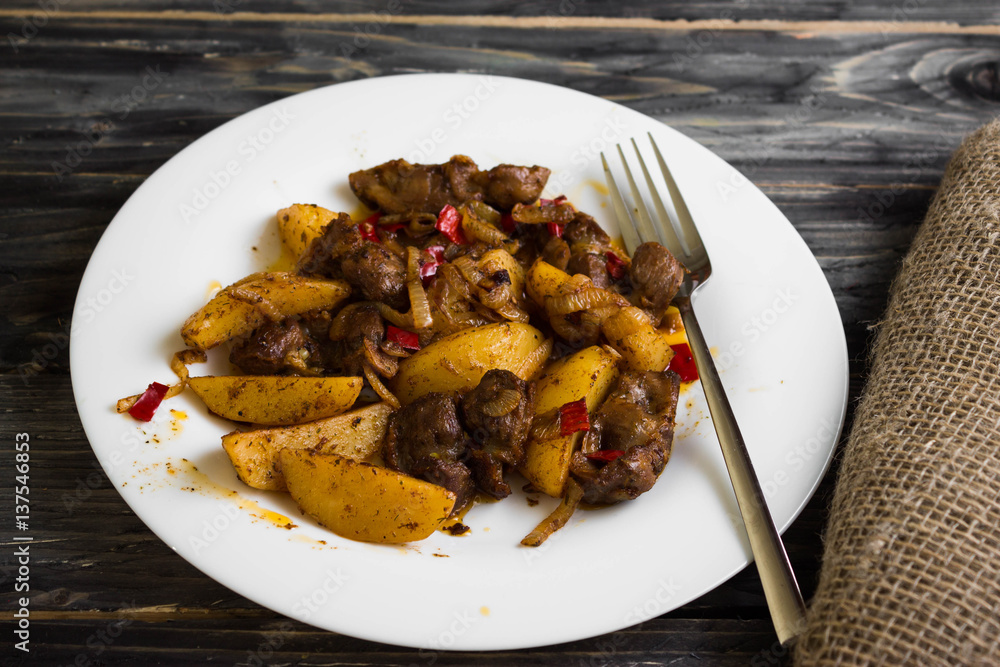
(843, 113)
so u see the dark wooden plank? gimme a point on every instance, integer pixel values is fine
(807, 10)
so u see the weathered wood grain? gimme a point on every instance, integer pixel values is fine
(843, 113)
(980, 12)
(844, 154)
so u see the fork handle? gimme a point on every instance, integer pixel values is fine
(780, 588)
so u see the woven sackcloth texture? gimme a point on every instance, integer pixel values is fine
(911, 563)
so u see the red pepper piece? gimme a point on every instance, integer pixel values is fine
(508, 223)
(555, 229)
(144, 408)
(406, 339)
(683, 363)
(367, 230)
(449, 223)
(429, 267)
(606, 455)
(561, 199)
(573, 417)
(615, 265)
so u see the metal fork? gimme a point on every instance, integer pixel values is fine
(681, 238)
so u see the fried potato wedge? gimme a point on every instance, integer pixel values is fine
(299, 224)
(501, 260)
(588, 374)
(356, 434)
(275, 399)
(457, 363)
(544, 280)
(364, 502)
(245, 305)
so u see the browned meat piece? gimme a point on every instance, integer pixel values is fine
(426, 440)
(266, 351)
(656, 276)
(556, 253)
(506, 185)
(498, 414)
(592, 265)
(638, 419)
(370, 267)
(584, 230)
(379, 274)
(400, 187)
(358, 331)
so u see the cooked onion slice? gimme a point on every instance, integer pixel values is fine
(380, 389)
(502, 404)
(420, 307)
(560, 515)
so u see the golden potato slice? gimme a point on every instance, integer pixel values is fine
(544, 280)
(588, 374)
(356, 434)
(244, 306)
(501, 260)
(276, 399)
(457, 363)
(363, 502)
(299, 224)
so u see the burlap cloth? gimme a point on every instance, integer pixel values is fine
(911, 564)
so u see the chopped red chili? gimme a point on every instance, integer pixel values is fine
(615, 265)
(429, 267)
(144, 408)
(367, 230)
(555, 229)
(508, 223)
(683, 363)
(606, 455)
(573, 417)
(406, 339)
(561, 199)
(393, 228)
(449, 223)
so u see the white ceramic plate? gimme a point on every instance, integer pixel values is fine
(208, 216)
